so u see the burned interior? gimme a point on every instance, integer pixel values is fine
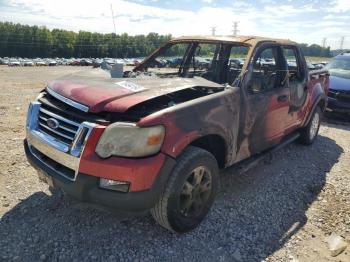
(219, 62)
(158, 103)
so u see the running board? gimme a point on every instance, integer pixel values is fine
(253, 161)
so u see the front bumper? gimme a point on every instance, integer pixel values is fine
(338, 106)
(75, 167)
(85, 187)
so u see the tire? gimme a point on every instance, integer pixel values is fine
(189, 192)
(309, 133)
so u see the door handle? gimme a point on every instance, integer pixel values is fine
(282, 98)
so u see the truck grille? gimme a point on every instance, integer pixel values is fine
(332, 93)
(66, 129)
(56, 138)
(344, 97)
(341, 96)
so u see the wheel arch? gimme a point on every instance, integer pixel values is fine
(320, 101)
(214, 144)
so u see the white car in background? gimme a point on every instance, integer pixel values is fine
(14, 63)
(52, 62)
(27, 63)
(40, 62)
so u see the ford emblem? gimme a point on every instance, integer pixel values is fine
(52, 123)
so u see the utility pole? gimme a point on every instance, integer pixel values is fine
(235, 28)
(115, 30)
(213, 30)
(324, 41)
(342, 42)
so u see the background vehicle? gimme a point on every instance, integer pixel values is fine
(14, 62)
(4, 61)
(51, 62)
(75, 62)
(157, 139)
(40, 62)
(236, 62)
(96, 63)
(339, 86)
(85, 62)
(27, 62)
(174, 62)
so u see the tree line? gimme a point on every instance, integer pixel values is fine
(18, 40)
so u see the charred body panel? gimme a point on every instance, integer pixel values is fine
(217, 114)
(259, 120)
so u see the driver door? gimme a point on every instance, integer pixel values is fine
(267, 98)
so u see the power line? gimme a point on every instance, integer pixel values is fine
(213, 30)
(115, 30)
(324, 41)
(235, 28)
(342, 42)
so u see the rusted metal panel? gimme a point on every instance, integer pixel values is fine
(216, 114)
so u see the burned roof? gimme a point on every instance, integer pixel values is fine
(250, 40)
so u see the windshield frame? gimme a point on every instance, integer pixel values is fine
(190, 52)
(158, 51)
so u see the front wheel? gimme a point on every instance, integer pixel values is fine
(189, 193)
(309, 133)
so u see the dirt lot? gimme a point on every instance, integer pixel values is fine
(281, 210)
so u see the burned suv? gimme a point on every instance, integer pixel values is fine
(157, 138)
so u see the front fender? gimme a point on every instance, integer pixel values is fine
(216, 114)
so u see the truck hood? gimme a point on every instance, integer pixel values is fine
(339, 83)
(98, 91)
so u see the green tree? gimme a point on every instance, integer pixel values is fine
(33, 41)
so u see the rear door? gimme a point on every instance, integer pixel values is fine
(267, 98)
(297, 83)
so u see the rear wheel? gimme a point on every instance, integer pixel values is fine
(309, 133)
(189, 193)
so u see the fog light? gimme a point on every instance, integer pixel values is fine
(115, 185)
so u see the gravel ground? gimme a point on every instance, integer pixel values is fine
(282, 210)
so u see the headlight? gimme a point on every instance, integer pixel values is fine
(129, 140)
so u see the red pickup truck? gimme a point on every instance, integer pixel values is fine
(157, 138)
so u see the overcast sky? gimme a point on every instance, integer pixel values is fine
(299, 20)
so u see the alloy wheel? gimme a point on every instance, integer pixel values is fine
(314, 125)
(195, 192)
